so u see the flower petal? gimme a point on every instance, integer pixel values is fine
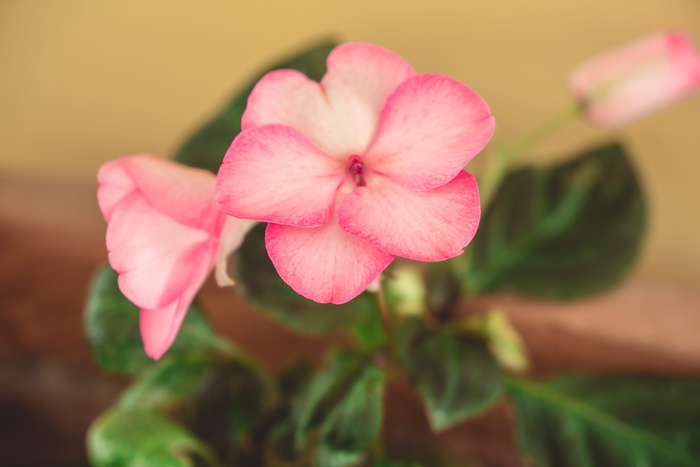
(340, 114)
(182, 193)
(232, 235)
(155, 256)
(422, 225)
(156, 328)
(429, 129)
(324, 264)
(115, 184)
(159, 327)
(274, 174)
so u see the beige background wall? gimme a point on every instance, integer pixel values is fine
(84, 81)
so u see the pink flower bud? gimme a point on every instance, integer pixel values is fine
(636, 79)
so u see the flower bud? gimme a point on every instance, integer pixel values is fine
(636, 79)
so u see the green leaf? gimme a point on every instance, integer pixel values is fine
(206, 148)
(344, 402)
(564, 231)
(168, 384)
(369, 331)
(329, 457)
(357, 418)
(122, 438)
(443, 287)
(295, 377)
(395, 463)
(112, 328)
(220, 399)
(609, 421)
(324, 391)
(456, 376)
(211, 386)
(233, 398)
(278, 429)
(258, 281)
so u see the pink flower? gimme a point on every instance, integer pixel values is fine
(351, 172)
(637, 79)
(163, 238)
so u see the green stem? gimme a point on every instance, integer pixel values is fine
(383, 309)
(503, 158)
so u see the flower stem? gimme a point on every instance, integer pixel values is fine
(383, 309)
(503, 158)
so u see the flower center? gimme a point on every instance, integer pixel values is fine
(355, 167)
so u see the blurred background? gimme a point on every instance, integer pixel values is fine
(85, 81)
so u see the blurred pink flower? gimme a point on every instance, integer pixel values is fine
(353, 171)
(636, 79)
(163, 239)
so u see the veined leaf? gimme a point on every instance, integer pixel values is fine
(609, 421)
(166, 385)
(343, 402)
(122, 438)
(218, 398)
(356, 419)
(112, 328)
(456, 376)
(564, 231)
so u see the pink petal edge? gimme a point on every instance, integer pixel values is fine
(430, 127)
(114, 185)
(274, 174)
(184, 193)
(339, 115)
(421, 225)
(324, 264)
(160, 327)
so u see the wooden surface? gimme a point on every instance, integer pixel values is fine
(51, 239)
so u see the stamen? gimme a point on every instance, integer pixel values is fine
(355, 165)
(355, 168)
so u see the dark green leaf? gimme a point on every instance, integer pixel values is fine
(329, 457)
(122, 438)
(393, 463)
(442, 289)
(325, 391)
(344, 402)
(258, 280)
(165, 386)
(206, 148)
(278, 429)
(456, 376)
(221, 400)
(230, 404)
(609, 421)
(565, 231)
(112, 328)
(356, 419)
(369, 330)
(294, 378)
